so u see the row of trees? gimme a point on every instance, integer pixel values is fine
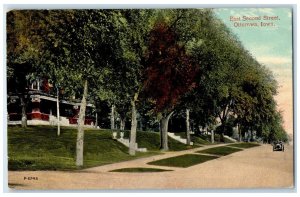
(149, 62)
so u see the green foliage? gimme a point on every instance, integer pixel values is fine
(128, 56)
(112, 48)
(273, 130)
(226, 129)
(231, 81)
(23, 40)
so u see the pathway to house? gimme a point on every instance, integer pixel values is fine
(257, 167)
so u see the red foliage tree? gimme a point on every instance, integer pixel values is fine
(169, 73)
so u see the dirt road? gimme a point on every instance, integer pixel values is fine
(257, 167)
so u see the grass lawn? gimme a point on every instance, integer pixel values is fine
(140, 170)
(151, 141)
(195, 138)
(39, 148)
(223, 150)
(244, 145)
(203, 139)
(183, 161)
(217, 139)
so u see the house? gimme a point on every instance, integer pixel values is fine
(42, 107)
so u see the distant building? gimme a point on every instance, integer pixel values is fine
(41, 107)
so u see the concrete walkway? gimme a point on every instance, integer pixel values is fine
(257, 167)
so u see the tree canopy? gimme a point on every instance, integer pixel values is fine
(147, 62)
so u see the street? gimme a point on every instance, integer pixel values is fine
(257, 167)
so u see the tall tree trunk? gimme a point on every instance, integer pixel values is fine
(188, 136)
(24, 115)
(57, 113)
(222, 131)
(80, 133)
(240, 133)
(141, 123)
(212, 136)
(132, 141)
(246, 136)
(223, 118)
(96, 122)
(112, 117)
(122, 124)
(222, 139)
(164, 132)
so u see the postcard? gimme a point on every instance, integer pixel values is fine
(171, 98)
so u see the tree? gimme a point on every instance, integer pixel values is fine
(18, 84)
(256, 106)
(84, 48)
(23, 44)
(190, 24)
(169, 74)
(221, 55)
(233, 83)
(128, 67)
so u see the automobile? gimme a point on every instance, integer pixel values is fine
(278, 146)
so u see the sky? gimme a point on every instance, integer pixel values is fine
(270, 42)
